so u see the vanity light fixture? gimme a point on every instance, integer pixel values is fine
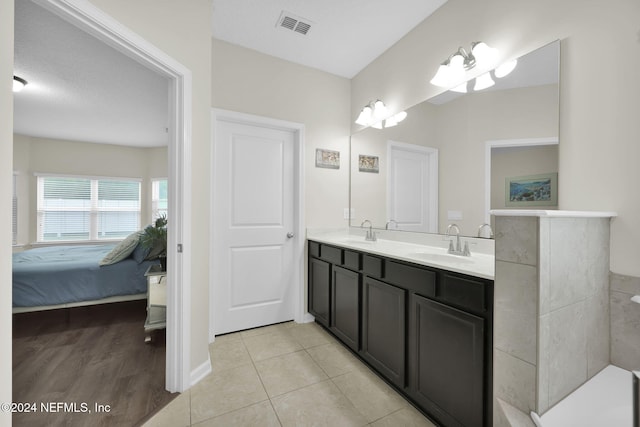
(460, 88)
(377, 115)
(18, 83)
(483, 81)
(452, 72)
(395, 119)
(504, 69)
(365, 118)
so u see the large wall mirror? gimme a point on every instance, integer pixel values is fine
(450, 160)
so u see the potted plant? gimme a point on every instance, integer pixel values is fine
(154, 239)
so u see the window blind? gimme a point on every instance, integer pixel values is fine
(77, 208)
(159, 199)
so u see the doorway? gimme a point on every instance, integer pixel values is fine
(92, 20)
(506, 143)
(257, 231)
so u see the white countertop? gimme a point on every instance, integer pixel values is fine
(552, 213)
(431, 253)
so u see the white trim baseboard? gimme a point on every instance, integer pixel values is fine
(200, 372)
(308, 318)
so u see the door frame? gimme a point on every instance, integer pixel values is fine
(432, 156)
(94, 21)
(503, 143)
(298, 130)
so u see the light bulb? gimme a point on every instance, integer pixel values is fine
(483, 81)
(377, 125)
(18, 84)
(365, 117)
(442, 76)
(400, 116)
(506, 68)
(485, 56)
(380, 111)
(390, 122)
(460, 88)
(456, 70)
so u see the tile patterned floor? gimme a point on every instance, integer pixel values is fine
(287, 375)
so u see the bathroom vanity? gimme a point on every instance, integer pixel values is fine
(420, 318)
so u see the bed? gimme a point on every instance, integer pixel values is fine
(70, 276)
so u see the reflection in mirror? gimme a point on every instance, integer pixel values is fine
(430, 169)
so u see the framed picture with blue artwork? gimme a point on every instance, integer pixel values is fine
(532, 190)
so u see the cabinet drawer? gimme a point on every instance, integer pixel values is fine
(463, 291)
(352, 260)
(372, 266)
(314, 249)
(417, 279)
(331, 254)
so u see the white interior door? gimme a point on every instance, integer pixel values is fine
(412, 187)
(254, 226)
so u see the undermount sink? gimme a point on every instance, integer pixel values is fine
(446, 258)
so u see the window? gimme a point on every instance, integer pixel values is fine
(79, 208)
(159, 201)
(14, 212)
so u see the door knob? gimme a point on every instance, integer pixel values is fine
(290, 235)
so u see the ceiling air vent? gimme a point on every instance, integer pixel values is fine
(294, 23)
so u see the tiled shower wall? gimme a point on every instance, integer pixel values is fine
(551, 330)
(625, 322)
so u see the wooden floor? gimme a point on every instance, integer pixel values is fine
(87, 356)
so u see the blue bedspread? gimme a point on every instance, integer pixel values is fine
(64, 274)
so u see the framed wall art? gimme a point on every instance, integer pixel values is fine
(368, 164)
(532, 190)
(327, 159)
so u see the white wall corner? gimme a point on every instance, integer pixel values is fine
(201, 371)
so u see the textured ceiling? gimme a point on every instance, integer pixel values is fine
(80, 89)
(345, 35)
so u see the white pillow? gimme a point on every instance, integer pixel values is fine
(122, 250)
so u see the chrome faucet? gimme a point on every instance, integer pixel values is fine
(482, 227)
(371, 235)
(386, 227)
(458, 248)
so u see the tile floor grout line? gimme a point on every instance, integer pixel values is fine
(329, 342)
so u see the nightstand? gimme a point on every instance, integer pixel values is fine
(156, 300)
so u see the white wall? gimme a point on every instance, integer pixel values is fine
(182, 29)
(247, 81)
(40, 155)
(599, 129)
(6, 189)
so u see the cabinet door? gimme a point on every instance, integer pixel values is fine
(319, 283)
(383, 329)
(446, 362)
(345, 306)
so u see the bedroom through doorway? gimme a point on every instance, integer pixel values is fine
(82, 149)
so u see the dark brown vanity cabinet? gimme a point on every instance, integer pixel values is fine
(446, 360)
(345, 306)
(319, 290)
(383, 329)
(427, 331)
